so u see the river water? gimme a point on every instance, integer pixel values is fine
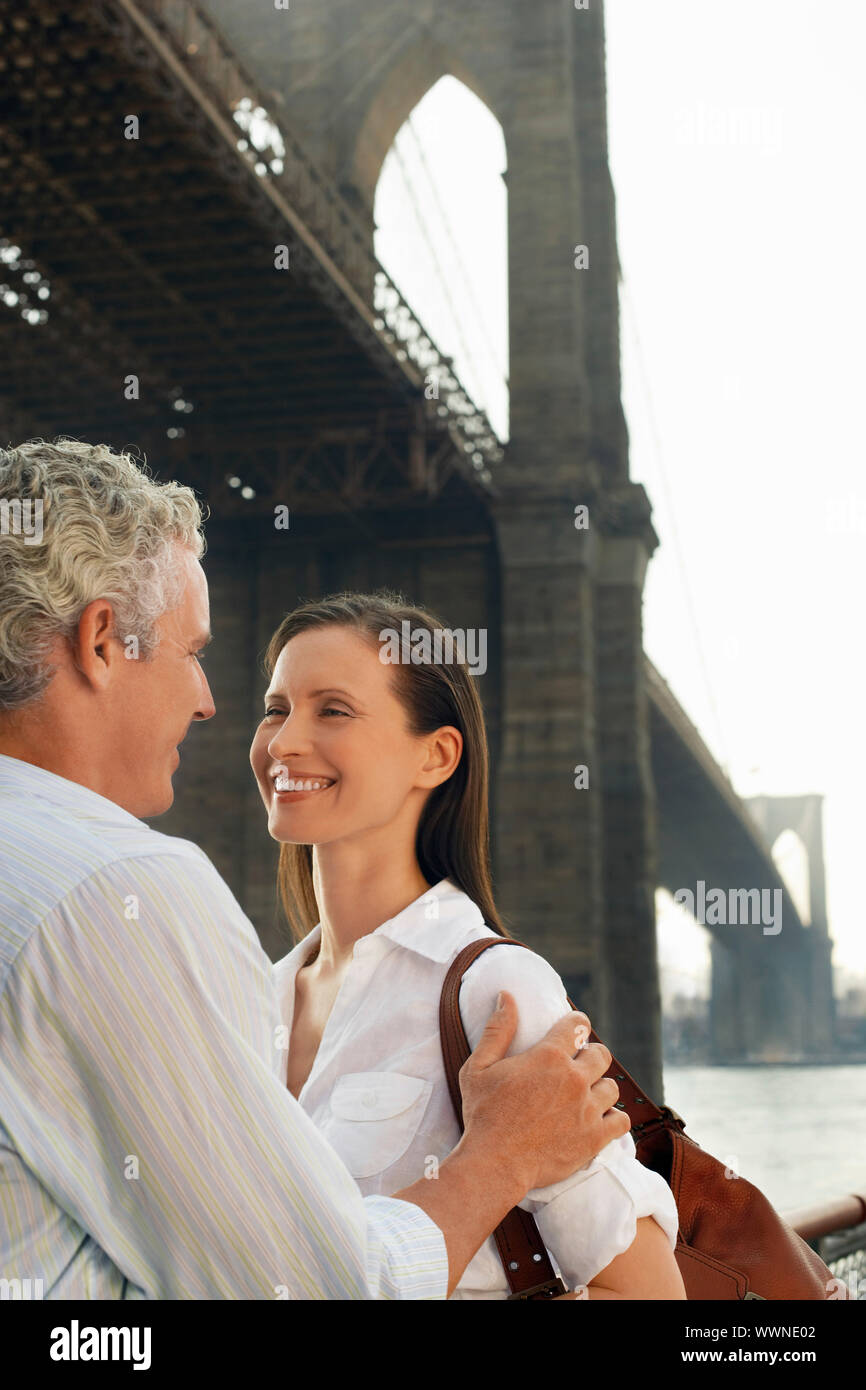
(798, 1133)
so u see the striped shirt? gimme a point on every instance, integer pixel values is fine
(149, 1147)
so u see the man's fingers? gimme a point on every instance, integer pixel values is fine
(596, 1057)
(571, 1033)
(498, 1033)
(615, 1123)
(605, 1088)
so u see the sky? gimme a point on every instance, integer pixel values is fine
(736, 138)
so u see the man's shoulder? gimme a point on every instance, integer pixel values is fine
(79, 845)
(47, 856)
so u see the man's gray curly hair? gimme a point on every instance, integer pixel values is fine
(107, 532)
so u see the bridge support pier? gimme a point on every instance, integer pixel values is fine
(548, 833)
(628, 812)
(762, 1005)
(575, 863)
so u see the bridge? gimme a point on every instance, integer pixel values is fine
(178, 278)
(707, 833)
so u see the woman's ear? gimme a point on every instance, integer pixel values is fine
(444, 751)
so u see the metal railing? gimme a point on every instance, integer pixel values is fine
(836, 1230)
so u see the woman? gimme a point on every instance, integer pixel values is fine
(374, 776)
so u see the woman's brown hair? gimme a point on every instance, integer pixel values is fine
(453, 839)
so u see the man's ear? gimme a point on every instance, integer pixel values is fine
(94, 647)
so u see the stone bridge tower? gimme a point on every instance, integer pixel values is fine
(575, 870)
(804, 815)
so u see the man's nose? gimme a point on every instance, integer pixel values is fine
(207, 708)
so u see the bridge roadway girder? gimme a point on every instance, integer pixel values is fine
(159, 254)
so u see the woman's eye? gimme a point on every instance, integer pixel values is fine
(328, 710)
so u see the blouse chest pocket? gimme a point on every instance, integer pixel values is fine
(374, 1118)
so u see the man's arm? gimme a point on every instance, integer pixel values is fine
(140, 1082)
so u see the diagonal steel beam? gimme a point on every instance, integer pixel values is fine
(333, 243)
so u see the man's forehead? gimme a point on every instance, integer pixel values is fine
(190, 620)
(196, 589)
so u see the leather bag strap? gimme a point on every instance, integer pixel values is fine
(521, 1249)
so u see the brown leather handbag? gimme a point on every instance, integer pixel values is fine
(732, 1244)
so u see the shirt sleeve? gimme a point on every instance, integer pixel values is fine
(142, 1084)
(591, 1217)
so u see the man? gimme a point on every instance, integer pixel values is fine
(148, 1145)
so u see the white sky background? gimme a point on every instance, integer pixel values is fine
(441, 213)
(736, 136)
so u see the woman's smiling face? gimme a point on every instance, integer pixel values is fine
(331, 717)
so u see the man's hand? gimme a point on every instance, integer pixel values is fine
(547, 1112)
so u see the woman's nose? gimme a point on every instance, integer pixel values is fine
(288, 740)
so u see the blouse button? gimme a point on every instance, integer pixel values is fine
(370, 1099)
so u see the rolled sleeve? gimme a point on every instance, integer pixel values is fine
(591, 1217)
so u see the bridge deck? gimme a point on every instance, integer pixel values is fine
(159, 256)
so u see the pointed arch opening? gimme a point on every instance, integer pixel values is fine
(792, 860)
(441, 219)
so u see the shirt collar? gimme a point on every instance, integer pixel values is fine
(435, 925)
(25, 780)
(442, 918)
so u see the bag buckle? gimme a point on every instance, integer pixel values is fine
(551, 1289)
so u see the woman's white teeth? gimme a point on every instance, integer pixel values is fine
(284, 783)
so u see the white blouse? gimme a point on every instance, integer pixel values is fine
(377, 1089)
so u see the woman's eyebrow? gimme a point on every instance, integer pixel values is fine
(325, 690)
